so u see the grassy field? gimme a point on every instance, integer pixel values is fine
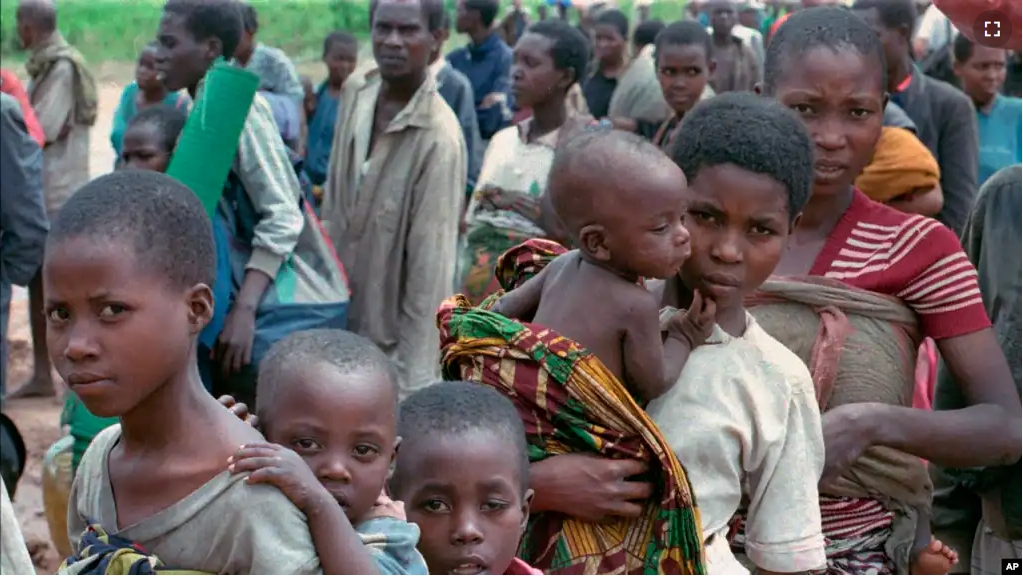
(107, 30)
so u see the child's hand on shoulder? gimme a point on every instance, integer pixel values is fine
(239, 409)
(278, 466)
(384, 507)
(696, 324)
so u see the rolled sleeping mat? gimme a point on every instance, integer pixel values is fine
(209, 142)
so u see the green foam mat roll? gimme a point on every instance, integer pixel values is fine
(209, 141)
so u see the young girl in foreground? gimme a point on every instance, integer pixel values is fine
(127, 275)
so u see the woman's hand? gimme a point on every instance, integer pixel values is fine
(493, 198)
(234, 345)
(588, 487)
(848, 432)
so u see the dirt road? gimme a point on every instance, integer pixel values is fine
(38, 420)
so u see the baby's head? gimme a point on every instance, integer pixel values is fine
(621, 200)
(749, 161)
(332, 397)
(463, 474)
(150, 138)
(127, 274)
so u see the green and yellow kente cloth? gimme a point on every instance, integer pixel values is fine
(570, 403)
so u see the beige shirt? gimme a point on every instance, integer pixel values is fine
(392, 214)
(744, 413)
(638, 94)
(227, 526)
(14, 558)
(65, 158)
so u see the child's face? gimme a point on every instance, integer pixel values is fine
(983, 74)
(117, 332)
(340, 60)
(343, 426)
(740, 227)
(838, 96)
(464, 491)
(142, 149)
(145, 72)
(683, 71)
(642, 233)
(608, 43)
(534, 76)
(181, 59)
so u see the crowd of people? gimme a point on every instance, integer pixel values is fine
(735, 293)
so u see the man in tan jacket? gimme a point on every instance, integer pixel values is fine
(394, 190)
(63, 95)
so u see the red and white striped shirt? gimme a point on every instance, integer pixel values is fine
(914, 258)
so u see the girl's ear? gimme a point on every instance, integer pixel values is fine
(200, 307)
(527, 501)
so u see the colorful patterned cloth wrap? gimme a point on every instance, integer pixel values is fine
(102, 553)
(570, 403)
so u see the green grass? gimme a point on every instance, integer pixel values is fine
(106, 30)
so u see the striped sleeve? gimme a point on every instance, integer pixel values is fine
(945, 292)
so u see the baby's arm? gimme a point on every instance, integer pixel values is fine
(522, 302)
(649, 368)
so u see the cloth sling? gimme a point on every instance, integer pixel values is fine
(103, 553)
(860, 347)
(86, 96)
(570, 403)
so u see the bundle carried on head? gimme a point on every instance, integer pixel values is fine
(860, 347)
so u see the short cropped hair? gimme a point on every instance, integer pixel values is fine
(646, 32)
(433, 13)
(168, 120)
(962, 48)
(570, 49)
(460, 408)
(488, 10)
(250, 18)
(163, 221)
(754, 133)
(892, 13)
(829, 26)
(204, 19)
(347, 352)
(684, 33)
(616, 19)
(339, 38)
